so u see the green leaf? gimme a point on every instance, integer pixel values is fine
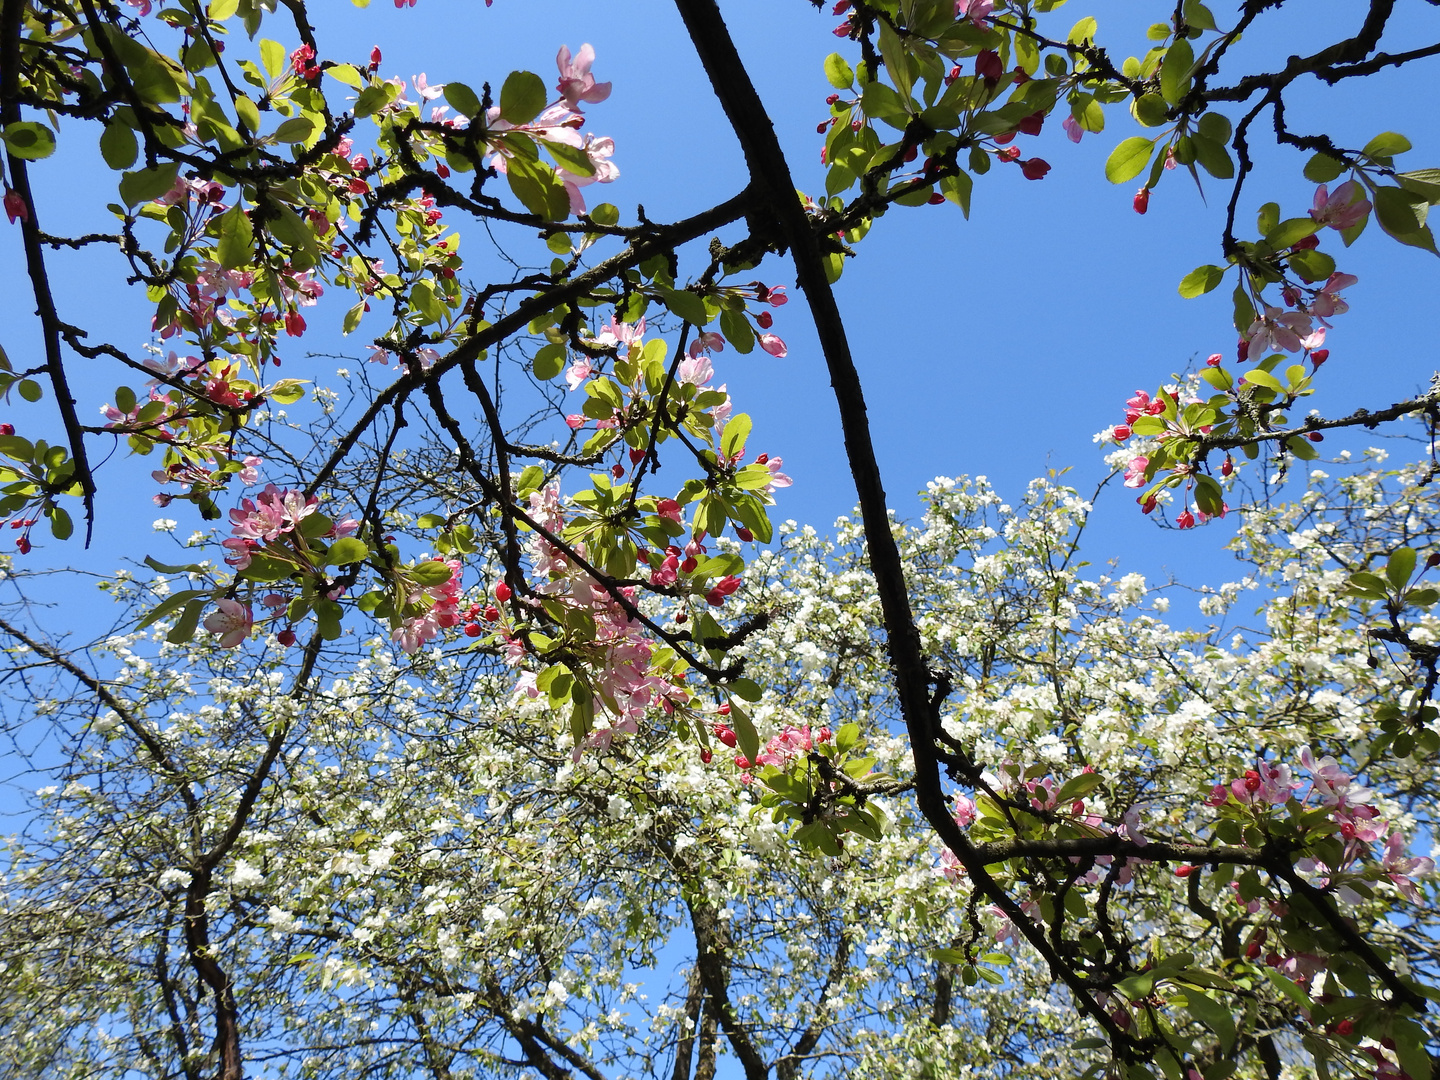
(184, 628)
(1312, 264)
(1200, 281)
(1260, 377)
(1410, 1039)
(521, 98)
(1128, 159)
(570, 158)
(61, 527)
(605, 214)
(745, 733)
(1398, 217)
(1083, 31)
(536, 185)
(272, 55)
(1367, 584)
(1175, 71)
(737, 430)
(327, 617)
(1290, 232)
(745, 689)
(957, 189)
(736, 329)
(166, 568)
(30, 390)
(1198, 16)
(464, 100)
(1296, 995)
(118, 145)
(169, 604)
(345, 551)
(548, 362)
(1212, 156)
(296, 129)
(1386, 145)
(237, 239)
(838, 72)
(348, 74)
(28, 140)
(430, 573)
(1401, 567)
(1322, 168)
(688, 305)
(897, 63)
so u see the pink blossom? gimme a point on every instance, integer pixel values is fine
(977, 11)
(777, 478)
(1326, 302)
(617, 333)
(721, 589)
(1135, 472)
(575, 421)
(964, 811)
(15, 207)
(425, 90)
(576, 83)
(705, 342)
(1398, 867)
(1277, 329)
(231, 623)
(772, 345)
(1073, 131)
(578, 373)
(1344, 209)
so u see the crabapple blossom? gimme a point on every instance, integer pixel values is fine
(576, 84)
(231, 624)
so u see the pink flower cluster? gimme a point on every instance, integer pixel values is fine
(267, 517)
(560, 123)
(620, 655)
(1358, 823)
(441, 604)
(790, 745)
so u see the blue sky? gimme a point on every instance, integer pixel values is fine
(994, 346)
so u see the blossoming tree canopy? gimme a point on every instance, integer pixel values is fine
(546, 469)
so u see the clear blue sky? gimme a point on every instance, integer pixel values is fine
(994, 346)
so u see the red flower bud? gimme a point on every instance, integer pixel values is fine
(492, 613)
(286, 637)
(473, 630)
(1344, 1028)
(1227, 466)
(1319, 356)
(502, 592)
(1184, 870)
(705, 756)
(1142, 200)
